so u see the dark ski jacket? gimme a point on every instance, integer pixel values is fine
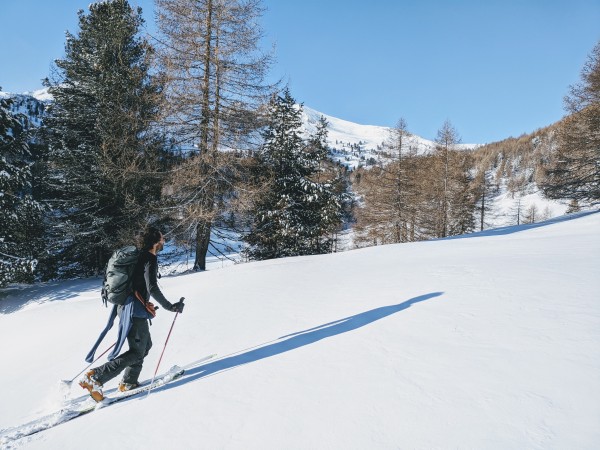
(145, 282)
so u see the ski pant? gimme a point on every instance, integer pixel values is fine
(132, 360)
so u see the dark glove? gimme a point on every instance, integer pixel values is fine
(178, 307)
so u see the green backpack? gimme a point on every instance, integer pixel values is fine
(118, 277)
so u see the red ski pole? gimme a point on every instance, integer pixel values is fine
(165, 347)
(105, 352)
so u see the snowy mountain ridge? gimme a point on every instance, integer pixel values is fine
(351, 144)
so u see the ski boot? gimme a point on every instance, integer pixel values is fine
(124, 387)
(92, 385)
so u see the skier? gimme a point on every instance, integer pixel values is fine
(134, 316)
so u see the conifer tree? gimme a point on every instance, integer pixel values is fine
(297, 213)
(485, 190)
(461, 219)
(391, 193)
(333, 203)
(573, 207)
(104, 153)
(20, 214)
(451, 202)
(574, 172)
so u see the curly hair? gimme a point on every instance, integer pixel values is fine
(149, 237)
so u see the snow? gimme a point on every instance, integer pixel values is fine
(486, 341)
(343, 135)
(506, 206)
(43, 95)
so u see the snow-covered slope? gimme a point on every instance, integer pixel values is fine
(32, 104)
(488, 341)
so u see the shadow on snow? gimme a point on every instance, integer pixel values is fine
(16, 297)
(517, 228)
(296, 340)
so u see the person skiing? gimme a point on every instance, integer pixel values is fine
(134, 316)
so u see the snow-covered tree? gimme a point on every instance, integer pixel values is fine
(20, 214)
(298, 212)
(104, 156)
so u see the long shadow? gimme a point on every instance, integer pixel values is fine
(15, 298)
(296, 340)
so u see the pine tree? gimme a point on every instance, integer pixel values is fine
(104, 153)
(297, 213)
(575, 169)
(20, 214)
(333, 203)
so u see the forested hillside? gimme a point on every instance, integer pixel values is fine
(131, 131)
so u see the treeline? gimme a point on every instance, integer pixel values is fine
(414, 197)
(184, 133)
(409, 197)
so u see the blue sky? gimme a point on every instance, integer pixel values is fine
(494, 68)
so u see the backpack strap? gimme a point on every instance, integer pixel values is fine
(148, 305)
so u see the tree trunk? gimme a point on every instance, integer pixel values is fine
(202, 241)
(203, 228)
(482, 208)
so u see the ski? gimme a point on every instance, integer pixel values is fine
(78, 408)
(174, 374)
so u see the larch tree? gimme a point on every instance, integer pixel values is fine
(391, 192)
(215, 75)
(451, 202)
(485, 190)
